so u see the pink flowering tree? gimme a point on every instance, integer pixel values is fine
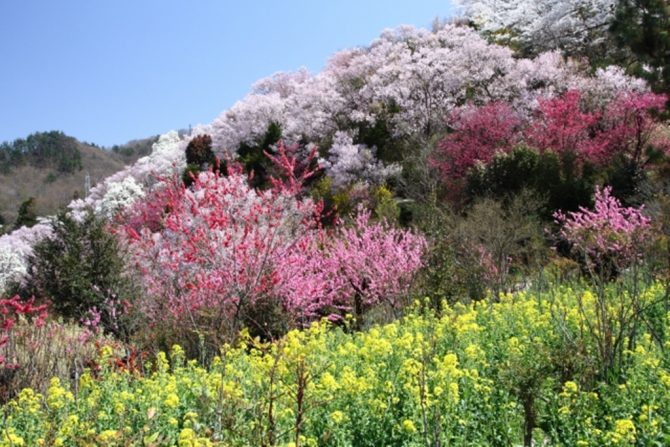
(212, 253)
(478, 133)
(631, 128)
(609, 238)
(375, 263)
(213, 258)
(357, 267)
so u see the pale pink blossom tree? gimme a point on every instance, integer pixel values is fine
(610, 237)
(214, 256)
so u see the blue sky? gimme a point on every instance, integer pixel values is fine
(107, 72)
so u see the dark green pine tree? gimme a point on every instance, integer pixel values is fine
(254, 159)
(79, 267)
(641, 29)
(27, 215)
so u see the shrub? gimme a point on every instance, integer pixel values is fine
(556, 178)
(609, 238)
(81, 269)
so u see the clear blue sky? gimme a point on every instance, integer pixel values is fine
(110, 71)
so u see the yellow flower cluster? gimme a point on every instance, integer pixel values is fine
(459, 378)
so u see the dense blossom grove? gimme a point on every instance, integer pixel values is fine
(543, 24)
(625, 127)
(223, 247)
(454, 236)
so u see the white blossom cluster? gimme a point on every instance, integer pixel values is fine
(350, 163)
(120, 190)
(119, 196)
(15, 249)
(412, 79)
(546, 24)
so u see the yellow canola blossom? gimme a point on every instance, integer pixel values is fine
(457, 378)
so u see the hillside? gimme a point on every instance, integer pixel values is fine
(45, 179)
(437, 240)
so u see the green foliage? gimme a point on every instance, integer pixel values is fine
(559, 179)
(642, 28)
(334, 202)
(27, 215)
(199, 156)
(385, 205)
(199, 151)
(491, 247)
(190, 171)
(51, 177)
(254, 159)
(42, 149)
(135, 148)
(380, 135)
(79, 268)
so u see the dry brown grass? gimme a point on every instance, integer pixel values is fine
(55, 349)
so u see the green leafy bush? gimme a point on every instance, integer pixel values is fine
(80, 268)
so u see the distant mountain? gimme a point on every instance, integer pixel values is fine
(52, 167)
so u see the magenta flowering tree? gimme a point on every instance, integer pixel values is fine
(631, 127)
(562, 126)
(610, 237)
(478, 133)
(622, 133)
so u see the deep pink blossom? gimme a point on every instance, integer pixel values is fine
(562, 126)
(478, 134)
(11, 309)
(631, 126)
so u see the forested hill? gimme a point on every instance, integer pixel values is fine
(51, 168)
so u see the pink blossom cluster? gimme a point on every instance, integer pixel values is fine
(219, 246)
(626, 126)
(11, 309)
(610, 235)
(361, 265)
